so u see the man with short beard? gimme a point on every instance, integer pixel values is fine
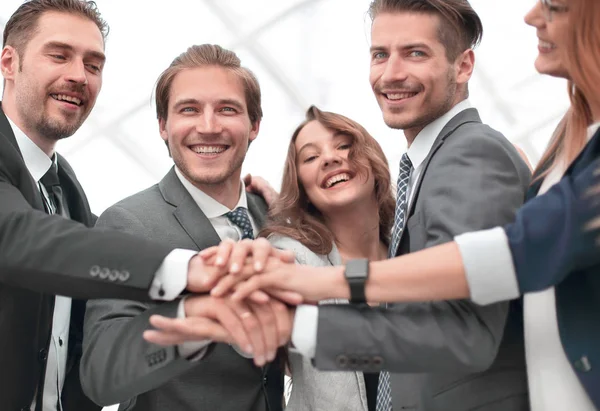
(52, 62)
(209, 111)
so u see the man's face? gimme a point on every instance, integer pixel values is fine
(410, 74)
(208, 129)
(55, 81)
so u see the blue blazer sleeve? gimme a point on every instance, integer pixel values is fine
(549, 239)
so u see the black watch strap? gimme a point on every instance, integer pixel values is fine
(357, 272)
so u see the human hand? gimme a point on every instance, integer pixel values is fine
(311, 284)
(261, 187)
(257, 329)
(229, 257)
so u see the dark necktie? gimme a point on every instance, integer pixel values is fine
(54, 203)
(384, 389)
(240, 218)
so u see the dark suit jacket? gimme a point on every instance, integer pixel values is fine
(551, 247)
(118, 366)
(42, 255)
(449, 355)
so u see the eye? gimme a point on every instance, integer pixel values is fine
(309, 159)
(188, 110)
(228, 110)
(417, 53)
(378, 55)
(58, 57)
(94, 68)
(345, 146)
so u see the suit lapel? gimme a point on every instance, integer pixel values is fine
(258, 209)
(187, 212)
(466, 116)
(13, 161)
(79, 208)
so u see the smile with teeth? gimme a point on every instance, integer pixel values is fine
(399, 96)
(208, 150)
(337, 179)
(546, 45)
(68, 99)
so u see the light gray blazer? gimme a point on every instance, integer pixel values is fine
(314, 390)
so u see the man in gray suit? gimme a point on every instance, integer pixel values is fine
(209, 112)
(458, 175)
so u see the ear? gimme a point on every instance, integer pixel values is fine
(465, 63)
(162, 128)
(254, 131)
(9, 62)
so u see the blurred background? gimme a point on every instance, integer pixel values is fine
(303, 52)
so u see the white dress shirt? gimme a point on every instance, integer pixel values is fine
(171, 277)
(215, 212)
(553, 385)
(304, 333)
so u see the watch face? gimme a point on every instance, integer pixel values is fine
(358, 269)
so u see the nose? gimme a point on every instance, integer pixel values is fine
(330, 157)
(535, 16)
(208, 123)
(76, 73)
(394, 71)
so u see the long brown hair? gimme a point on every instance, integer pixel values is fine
(583, 67)
(294, 216)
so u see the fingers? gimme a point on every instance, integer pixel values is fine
(268, 332)
(261, 250)
(248, 182)
(257, 282)
(224, 252)
(209, 252)
(239, 252)
(252, 329)
(283, 322)
(259, 297)
(286, 256)
(227, 283)
(172, 331)
(288, 297)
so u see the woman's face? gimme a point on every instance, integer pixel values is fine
(551, 22)
(331, 181)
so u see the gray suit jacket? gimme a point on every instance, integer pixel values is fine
(453, 355)
(119, 366)
(314, 390)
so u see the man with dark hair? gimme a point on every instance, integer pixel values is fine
(52, 62)
(209, 110)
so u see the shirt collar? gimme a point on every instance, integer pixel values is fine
(36, 161)
(423, 142)
(209, 206)
(592, 130)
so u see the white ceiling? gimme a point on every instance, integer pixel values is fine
(303, 52)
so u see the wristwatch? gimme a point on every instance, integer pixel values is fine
(357, 272)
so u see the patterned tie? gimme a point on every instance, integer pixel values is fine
(401, 204)
(384, 389)
(54, 203)
(240, 218)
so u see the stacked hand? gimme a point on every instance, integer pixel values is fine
(253, 291)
